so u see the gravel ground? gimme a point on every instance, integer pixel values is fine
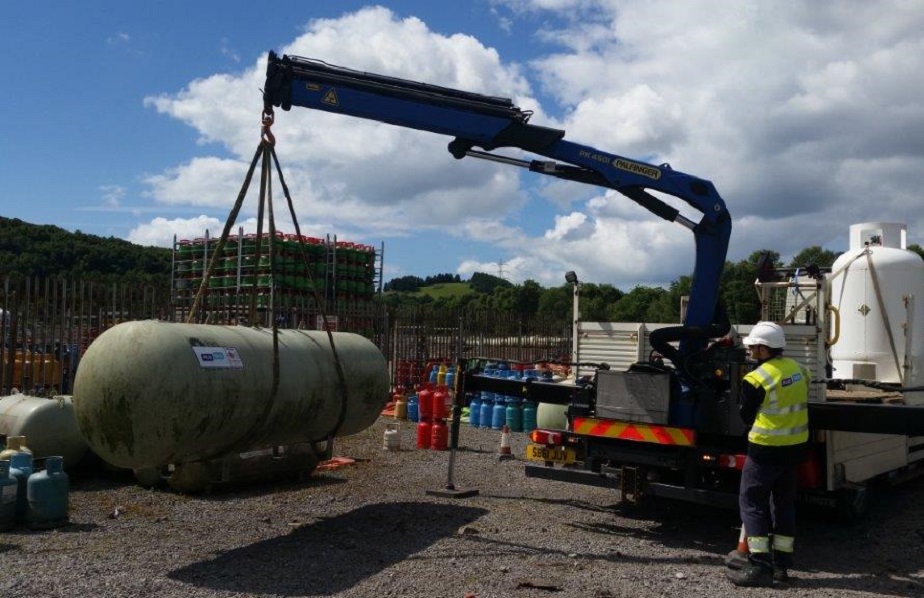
(370, 529)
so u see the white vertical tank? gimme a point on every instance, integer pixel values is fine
(865, 348)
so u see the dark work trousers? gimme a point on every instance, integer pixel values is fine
(767, 499)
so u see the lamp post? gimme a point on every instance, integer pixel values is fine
(572, 279)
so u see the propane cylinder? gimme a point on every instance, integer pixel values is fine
(514, 414)
(392, 437)
(487, 408)
(149, 394)
(439, 435)
(400, 407)
(529, 416)
(8, 491)
(48, 492)
(412, 408)
(499, 412)
(425, 404)
(49, 424)
(20, 470)
(424, 433)
(474, 411)
(438, 400)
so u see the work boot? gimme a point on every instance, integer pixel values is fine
(736, 559)
(780, 576)
(751, 575)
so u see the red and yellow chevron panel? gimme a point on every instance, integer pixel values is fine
(611, 428)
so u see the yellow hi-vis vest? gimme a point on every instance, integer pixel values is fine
(782, 419)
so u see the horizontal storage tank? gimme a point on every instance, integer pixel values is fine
(149, 394)
(870, 328)
(49, 426)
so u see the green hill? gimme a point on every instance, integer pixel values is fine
(45, 250)
(446, 289)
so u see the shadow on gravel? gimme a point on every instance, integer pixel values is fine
(7, 547)
(332, 555)
(882, 554)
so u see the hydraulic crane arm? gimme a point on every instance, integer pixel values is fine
(488, 123)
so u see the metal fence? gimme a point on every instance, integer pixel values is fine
(47, 323)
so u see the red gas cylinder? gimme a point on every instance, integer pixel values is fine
(440, 436)
(425, 404)
(809, 473)
(424, 433)
(438, 399)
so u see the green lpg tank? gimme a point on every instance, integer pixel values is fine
(148, 394)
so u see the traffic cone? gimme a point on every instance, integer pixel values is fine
(504, 452)
(738, 557)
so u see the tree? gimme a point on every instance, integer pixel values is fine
(813, 255)
(405, 284)
(486, 283)
(634, 306)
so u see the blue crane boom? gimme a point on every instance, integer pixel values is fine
(487, 123)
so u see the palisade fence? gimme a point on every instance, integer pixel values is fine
(46, 324)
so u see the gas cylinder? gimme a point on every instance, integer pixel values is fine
(392, 438)
(439, 440)
(412, 408)
(20, 470)
(400, 407)
(529, 416)
(441, 375)
(424, 432)
(425, 404)
(48, 493)
(8, 491)
(487, 408)
(474, 411)
(499, 413)
(514, 414)
(149, 393)
(439, 398)
(451, 378)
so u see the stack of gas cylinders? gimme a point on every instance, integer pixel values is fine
(493, 410)
(38, 499)
(430, 408)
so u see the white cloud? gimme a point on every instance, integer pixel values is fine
(112, 195)
(806, 117)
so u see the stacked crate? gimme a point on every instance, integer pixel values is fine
(340, 271)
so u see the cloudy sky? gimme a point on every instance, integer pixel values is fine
(138, 120)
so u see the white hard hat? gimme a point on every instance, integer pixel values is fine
(769, 334)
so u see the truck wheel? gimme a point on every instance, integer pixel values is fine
(853, 502)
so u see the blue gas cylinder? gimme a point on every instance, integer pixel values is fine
(8, 490)
(487, 408)
(434, 375)
(529, 416)
(20, 470)
(514, 414)
(474, 411)
(499, 413)
(412, 408)
(450, 378)
(48, 492)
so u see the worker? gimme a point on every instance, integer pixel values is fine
(774, 405)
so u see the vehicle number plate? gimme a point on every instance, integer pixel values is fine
(550, 454)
